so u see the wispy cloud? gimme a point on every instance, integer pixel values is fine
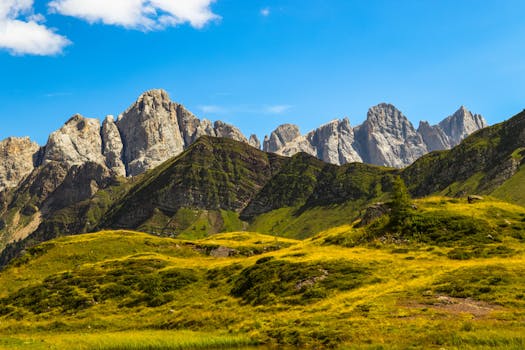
(22, 31)
(212, 109)
(138, 14)
(278, 109)
(265, 12)
(58, 94)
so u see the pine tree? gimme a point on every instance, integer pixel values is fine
(401, 205)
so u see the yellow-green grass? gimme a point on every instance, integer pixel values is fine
(379, 295)
(132, 340)
(512, 189)
(287, 222)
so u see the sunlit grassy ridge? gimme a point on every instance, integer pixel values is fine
(344, 287)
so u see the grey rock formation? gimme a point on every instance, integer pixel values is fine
(334, 142)
(461, 124)
(331, 142)
(18, 159)
(155, 129)
(150, 132)
(229, 131)
(80, 183)
(280, 137)
(76, 143)
(254, 141)
(112, 146)
(433, 136)
(386, 138)
(191, 128)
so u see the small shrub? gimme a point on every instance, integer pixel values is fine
(271, 280)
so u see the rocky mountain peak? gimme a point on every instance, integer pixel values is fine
(388, 138)
(150, 131)
(282, 135)
(229, 131)
(433, 136)
(254, 141)
(461, 124)
(334, 142)
(19, 157)
(153, 98)
(112, 146)
(387, 118)
(77, 142)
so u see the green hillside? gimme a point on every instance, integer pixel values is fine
(479, 165)
(347, 287)
(219, 185)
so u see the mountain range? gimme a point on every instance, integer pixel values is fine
(155, 129)
(77, 182)
(223, 244)
(386, 138)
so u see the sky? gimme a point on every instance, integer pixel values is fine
(259, 63)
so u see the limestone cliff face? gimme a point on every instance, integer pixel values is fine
(386, 138)
(18, 159)
(228, 131)
(150, 132)
(461, 124)
(112, 146)
(280, 137)
(191, 128)
(433, 136)
(335, 142)
(154, 129)
(76, 143)
(254, 141)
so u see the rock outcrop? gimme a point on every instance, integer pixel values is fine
(76, 143)
(461, 124)
(155, 129)
(433, 136)
(112, 146)
(191, 128)
(281, 137)
(18, 159)
(228, 131)
(332, 142)
(150, 132)
(386, 138)
(335, 142)
(254, 141)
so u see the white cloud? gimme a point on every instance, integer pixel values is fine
(212, 109)
(277, 109)
(265, 12)
(138, 14)
(27, 36)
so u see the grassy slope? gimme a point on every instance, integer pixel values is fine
(315, 292)
(511, 190)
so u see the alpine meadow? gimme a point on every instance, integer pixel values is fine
(159, 229)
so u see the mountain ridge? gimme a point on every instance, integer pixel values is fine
(385, 138)
(154, 128)
(216, 183)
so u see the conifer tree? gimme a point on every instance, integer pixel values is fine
(401, 206)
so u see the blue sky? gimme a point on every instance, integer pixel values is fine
(258, 64)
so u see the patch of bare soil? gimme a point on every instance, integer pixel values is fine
(456, 306)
